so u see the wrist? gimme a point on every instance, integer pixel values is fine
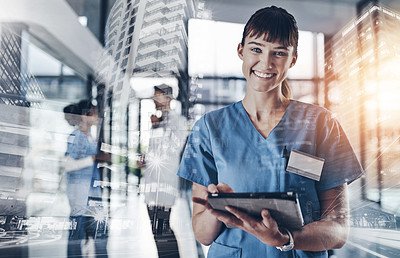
(288, 245)
(284, 239)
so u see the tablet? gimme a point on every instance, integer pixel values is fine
(284, 207)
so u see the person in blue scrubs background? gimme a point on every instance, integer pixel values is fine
(81, 172)
(244, 148)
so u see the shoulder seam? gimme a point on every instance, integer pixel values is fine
(208, 132)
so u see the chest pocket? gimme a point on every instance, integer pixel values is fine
(223, 251)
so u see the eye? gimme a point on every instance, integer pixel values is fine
(255, 50)
(280, 53)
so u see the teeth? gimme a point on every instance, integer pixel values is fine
(263, 75)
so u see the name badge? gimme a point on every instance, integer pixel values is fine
(305, 164)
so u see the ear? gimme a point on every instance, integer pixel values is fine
(294, 60)
(240, 51)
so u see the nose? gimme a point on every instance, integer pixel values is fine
(266, 61)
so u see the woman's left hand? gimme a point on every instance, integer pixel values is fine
(265, 228)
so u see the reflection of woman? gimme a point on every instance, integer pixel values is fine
(244, 148)
(81, 172)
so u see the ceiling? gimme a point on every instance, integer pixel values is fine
(55, 29)
(326, 16)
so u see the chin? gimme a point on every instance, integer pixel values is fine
(265, 89)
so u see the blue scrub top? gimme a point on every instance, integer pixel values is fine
(80, 145)
(80, 187)
(224, 146)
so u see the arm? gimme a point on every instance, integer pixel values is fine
(205, 224)
(328, 233)
(331, 231)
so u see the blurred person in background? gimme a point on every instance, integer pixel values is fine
(161, 184)
(82, 181)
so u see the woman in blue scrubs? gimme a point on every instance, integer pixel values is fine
(81, 173)
(243, 148)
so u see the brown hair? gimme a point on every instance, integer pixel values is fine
(274, 24)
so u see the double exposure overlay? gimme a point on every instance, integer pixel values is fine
(97, 99)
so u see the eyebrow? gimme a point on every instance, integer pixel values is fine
(262, 45)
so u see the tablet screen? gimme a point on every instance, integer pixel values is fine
(284, 207)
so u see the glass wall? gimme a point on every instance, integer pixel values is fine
(361, 85)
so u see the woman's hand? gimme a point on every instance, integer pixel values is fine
(205, 224)
(103, 157)
(264, 228)
(202, 194)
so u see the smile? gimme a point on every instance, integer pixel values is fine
(263, 75)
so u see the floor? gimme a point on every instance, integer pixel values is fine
(130, 233)
(129, 228)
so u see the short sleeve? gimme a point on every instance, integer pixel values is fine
(79, 146)
(197, 164)
(341, 164)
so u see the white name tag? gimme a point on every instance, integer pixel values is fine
(305, 164)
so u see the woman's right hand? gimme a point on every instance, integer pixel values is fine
(206, 225)
(202, 194)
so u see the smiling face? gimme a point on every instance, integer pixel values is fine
(265, 64)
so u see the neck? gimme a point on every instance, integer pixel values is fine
(260, 105)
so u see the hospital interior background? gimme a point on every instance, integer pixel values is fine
(54, 53)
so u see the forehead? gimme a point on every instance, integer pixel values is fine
(158, 93)
(283, 37)
(266, 37)
(263, 42)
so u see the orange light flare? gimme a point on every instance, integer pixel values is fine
(382, 92)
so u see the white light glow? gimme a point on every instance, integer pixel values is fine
(212, 48)
(143, 86)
